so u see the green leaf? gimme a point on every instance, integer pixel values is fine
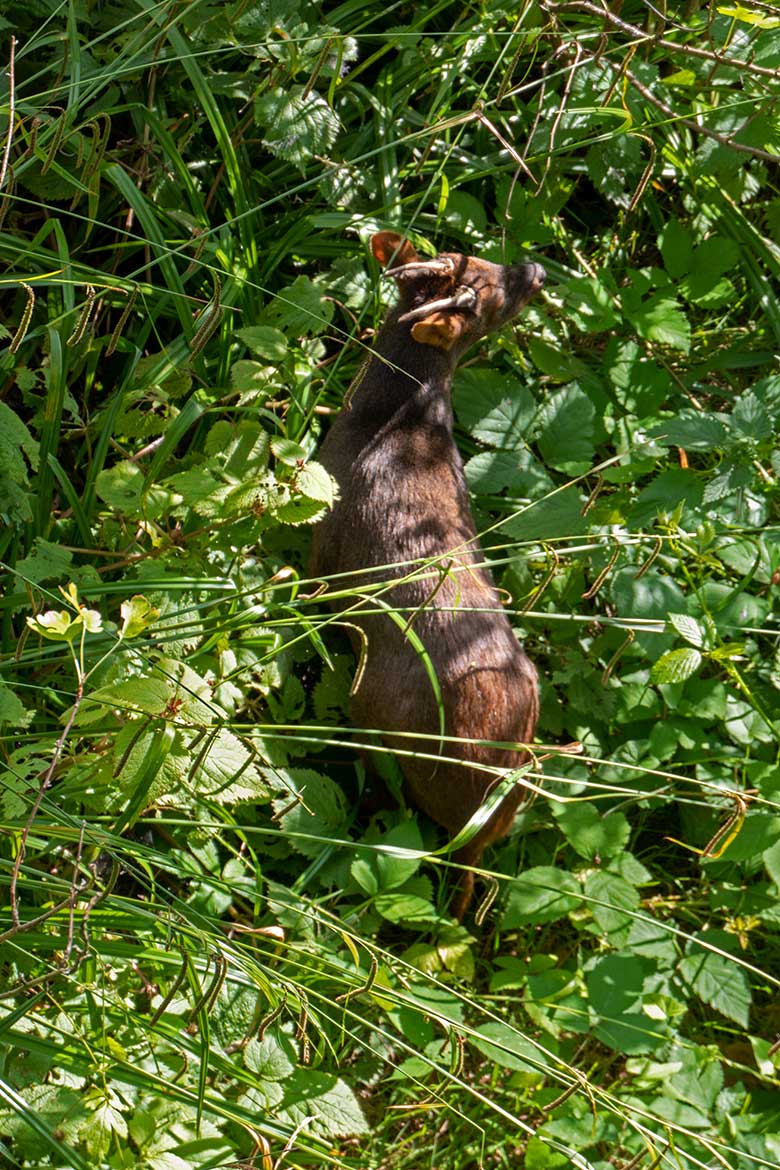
(554, 516)
(493, 406)
(300, 308)
(298, 124)
(694, 430)
(46, 562)
(613, 897)
(266, 342)
(661, 318)
(751, 418)
(688, 628)
(541, 894)
(590, 833)
(321, 811)
(322, 1103)
(12, 709)
(268, 1058)
(676, 249)
(590, 305)
(121, 487)
(565, 428)
(719, 982)
(408, 908)
(676, 665)
(507, 1047)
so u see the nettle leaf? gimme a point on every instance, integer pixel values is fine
(688, 628)
(298, 124)
(322, 1103)
(590, 833)
(556, 515)
(751, 418)
(265, 341)
(320, 812)
(614, 899)
(12, 709)
(719, 982)
(46, 562)
(226, 771)
(730, 478)
(676, 665)
(640, 385)
(121, 486)
(590, 305)
(409, 908)
(492, 471)
(694, 430)
(565, 426)
(300, 308)
(660, 318)
(269, 1058)
(541, 894)
(494, 407)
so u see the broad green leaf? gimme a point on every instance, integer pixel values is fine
(297, 123)
(494, 407)
(614, 898)
(12, 709)
(541, 894)
(556, 515)
(266, 342)
(751, 417)
(676, 665)
(590, 304)
(408, 908)
(719, 982)
(661, 318)
(300, 308)
(321, 811)
(591, 833)
(694, 430)
(565, 428)
(46, 562)
(323, 1103)
(688, 628)
(269, 1058)
(507, 1048)
(121, 487)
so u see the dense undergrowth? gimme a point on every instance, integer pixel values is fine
(213, 954)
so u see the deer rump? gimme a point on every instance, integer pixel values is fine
(448, 672)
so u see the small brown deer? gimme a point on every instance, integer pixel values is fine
(403, 527)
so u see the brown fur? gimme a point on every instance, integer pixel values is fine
(403, 501)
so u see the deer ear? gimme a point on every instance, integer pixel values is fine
(388, 246)
(441, 330)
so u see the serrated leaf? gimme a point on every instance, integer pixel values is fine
(565, 428)
(676, 665)
(323, 1103)
(719, 982)
(407, 908)
(688, 628)
(590, 833)
(300, 308)
(46, 562)
(661, 318)
(751, 417)
(694, 430)
(541, 894)
(321, 811)
(265, 341)
(507, 1048)
(614, 899)
(121, 486)
(298, 123)
(493, 406)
